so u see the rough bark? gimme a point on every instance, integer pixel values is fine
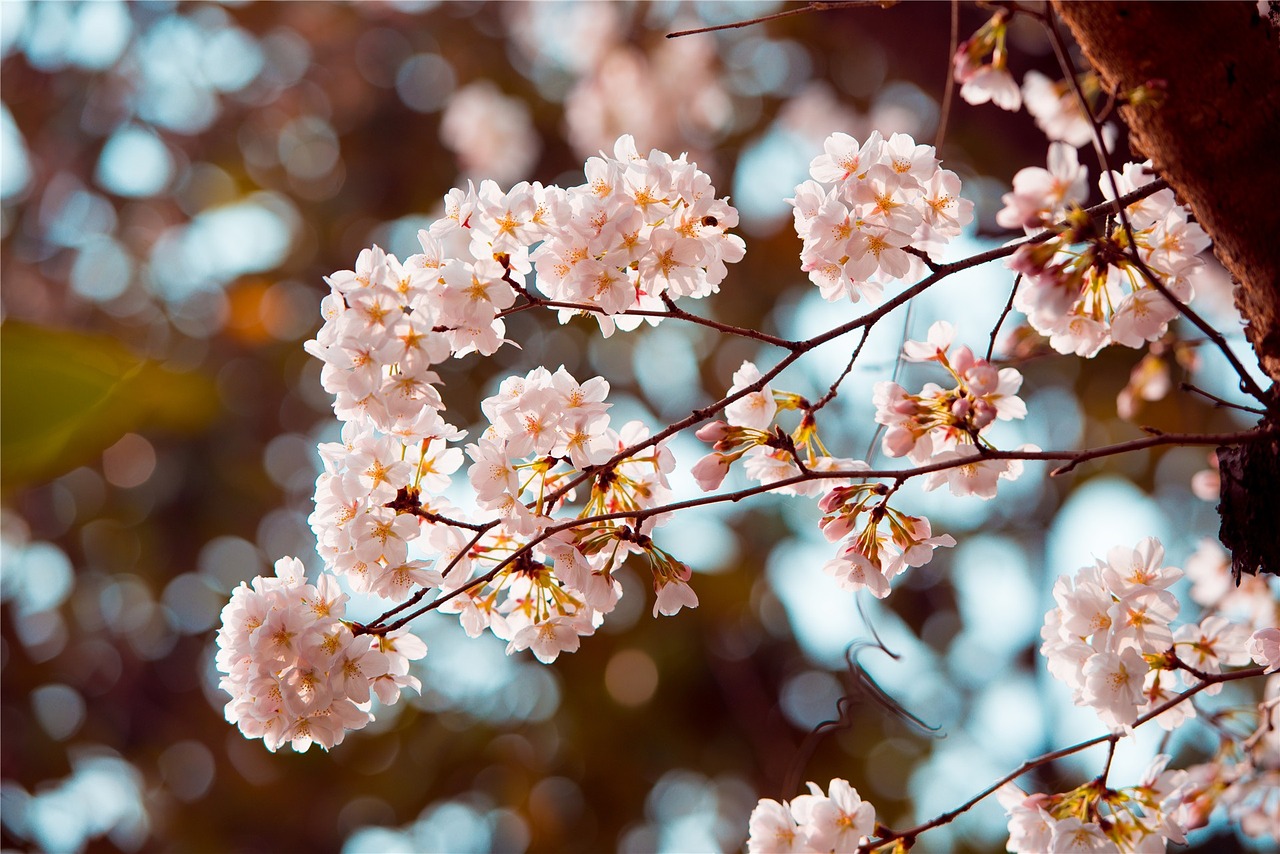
(1216, 136)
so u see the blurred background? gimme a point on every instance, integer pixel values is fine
(176, 180)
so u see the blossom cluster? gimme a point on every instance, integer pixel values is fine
(640, 231)
(871, 556)
(560, 497)
(768, 454)
(1244, 783)
(837, 822)
(295, 672)
(1243, 778)
(1094, 817)
(1081, 287)
(1110, 637)
(866, 205)
(546, 430)
(1042, 196)
(643, 231)
(1056, 109)
(940, 425)
(981, 66)
(361, 531)
(1253, 602)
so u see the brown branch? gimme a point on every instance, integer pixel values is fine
(900, 476)
(797, 350)
(833, 390)
(1008, 307)
(1031, 764)
(1247, 383)
(1213, 137)
(672, 312)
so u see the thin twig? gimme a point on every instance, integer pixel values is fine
(796, 351)
(1217, 401)
(1247, 384)
(672, 312)
(947, 92)
(899, 476)
(923, 256)
(1044, 759)
(1008, 307)
(377, 627)
(817, 6)
(1111, 755)
(832, 391)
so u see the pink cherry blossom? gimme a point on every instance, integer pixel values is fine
(1264, 648)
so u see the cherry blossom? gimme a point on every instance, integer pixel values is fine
(1264, 648)
(643, 228)
(1113, 685)
(1142, 817)
(756, 409)
(1042, 196)
(1215, 641)
(555, 498)
(773, 829)
(1253, 602)
(1081, 288)
(295, 672)
(1056, 108)
(871, 556)
(1108, 617)
(866, 204)
(982, 80)
(837, 821)
(978, 477)
(943, 424)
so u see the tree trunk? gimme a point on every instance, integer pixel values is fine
(1216, 136)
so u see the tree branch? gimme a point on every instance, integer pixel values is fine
(1214, 137)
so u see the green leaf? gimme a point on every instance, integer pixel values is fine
(67, 396)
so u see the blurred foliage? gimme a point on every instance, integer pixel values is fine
(177, 180)
(78, 395)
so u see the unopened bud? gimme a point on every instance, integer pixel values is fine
(710, 471)
(836, 528)
(714, 432)
(983, 414)
(835, 499)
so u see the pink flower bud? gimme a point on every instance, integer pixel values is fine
(834, 499)
(714, 432)
(710, 471)
(836, 527)
(962, 360)
(983, 414)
